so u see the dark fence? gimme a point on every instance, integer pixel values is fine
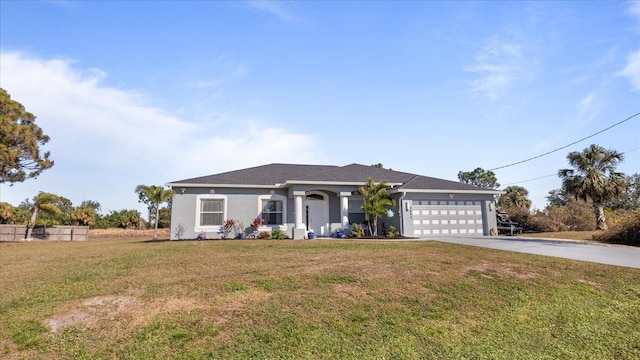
(52, 233)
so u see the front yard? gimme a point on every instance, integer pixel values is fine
(130, 299)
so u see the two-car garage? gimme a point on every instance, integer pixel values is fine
(446, 217)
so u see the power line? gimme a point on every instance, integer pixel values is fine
(538, 178)
(550, 175)
(566, 146)
(634, 149)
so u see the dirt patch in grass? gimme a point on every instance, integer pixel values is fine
(130, 312)
(350, 291)
(490, 270)
(145, 312)
(92, 311)
(231, 308)
(591, 283)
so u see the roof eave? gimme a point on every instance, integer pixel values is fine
(204, 185)
(274, 186)
(348, 183)
(449, 191)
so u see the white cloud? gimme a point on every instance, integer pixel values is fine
(634, 8)
(252, 145)
(632, 70)
(498, 64)
(76, 110)
(107, 140)
(276, 8)
(227, 61)
(588, 109)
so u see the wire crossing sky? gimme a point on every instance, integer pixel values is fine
(566, 146)
(555, 174)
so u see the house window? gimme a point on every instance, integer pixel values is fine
(315, 197)
(357, 218)
(211, 212)
(356, 215)
(272, 209)
(272, 212)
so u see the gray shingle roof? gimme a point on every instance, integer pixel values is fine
(359, 173)
(272, 174)
(429, 183)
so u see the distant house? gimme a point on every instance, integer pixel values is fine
(323, 199)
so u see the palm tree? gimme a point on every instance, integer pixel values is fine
(153, 196)
(376, 199)
(515, 196)
(594, 178)
(46, 202)
(86, 214)
(6, 212)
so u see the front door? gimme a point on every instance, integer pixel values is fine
(317, 213)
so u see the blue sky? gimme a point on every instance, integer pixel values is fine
(147, 92)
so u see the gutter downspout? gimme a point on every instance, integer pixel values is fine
(404, 194)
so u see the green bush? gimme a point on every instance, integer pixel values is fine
(391, 233)
(626, 232)
(125, 219)
(519, 215)
(576, 216)
(357, 230)
(278, 234)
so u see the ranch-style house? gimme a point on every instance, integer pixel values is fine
(322, 199)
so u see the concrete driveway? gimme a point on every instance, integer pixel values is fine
(627, 256)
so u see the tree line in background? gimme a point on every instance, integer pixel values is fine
(593, 196)
(51, 209)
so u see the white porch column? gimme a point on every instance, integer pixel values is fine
(344, 208)
(298, 209)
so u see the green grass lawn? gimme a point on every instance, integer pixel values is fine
(284, 299)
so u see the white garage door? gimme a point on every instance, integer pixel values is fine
(446, 217)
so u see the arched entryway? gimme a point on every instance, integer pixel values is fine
(316, 205)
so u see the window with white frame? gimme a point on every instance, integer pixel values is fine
(211, 212)
(273, 209)
(272, 212)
